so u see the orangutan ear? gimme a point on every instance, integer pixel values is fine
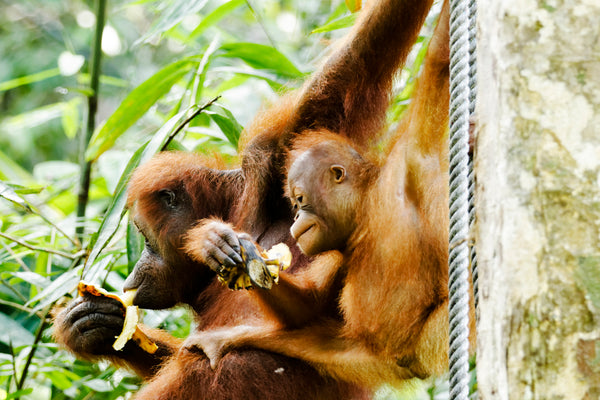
(168, 197)
(339, 173)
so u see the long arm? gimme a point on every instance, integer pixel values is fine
(319, 345)
(350, 93)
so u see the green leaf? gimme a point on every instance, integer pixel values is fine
(7, 193)
(24, 189)
(32, 278)
(178, 10)
(70, 118)
(135, 245)
(13, 332)
(136, 104)
(215, 16)
(26, 80)
(10, 170)
(230, 127)
(262, 57)
(338, 23)
(36, 117)
(98, 385)
(19, 393)
(62, 285)
(60, 379)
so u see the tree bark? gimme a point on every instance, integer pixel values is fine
(537, 164)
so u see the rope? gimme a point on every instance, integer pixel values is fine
(458, 283)
(472, 97)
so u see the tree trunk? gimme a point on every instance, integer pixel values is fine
(538, 199)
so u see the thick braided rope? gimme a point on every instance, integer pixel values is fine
(459, 200)
(472, 98)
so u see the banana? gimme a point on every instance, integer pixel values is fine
(130, 328)
(260, 268)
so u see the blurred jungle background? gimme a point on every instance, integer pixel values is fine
(70, 109)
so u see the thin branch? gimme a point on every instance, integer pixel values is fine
(42, 249)
(16, 257)
(187, 121)
(34, 347)
(14, 290)
(86, 166)
(75, 241)
(16, 305)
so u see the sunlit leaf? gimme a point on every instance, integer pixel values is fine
(136, 104)
(19, 189)
(9, 194)
(135, 245)
(98, 385)
(11, 171)
(65, 283)
(36, 117)
(26, 80)
(32, 278)
(19, 393)
(171, 16)
(62, 379)
(230, 127)
(215, 16)
(339, 23)
(13, 332)
(262, 57)
(71, 118)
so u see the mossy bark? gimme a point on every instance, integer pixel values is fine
(538, 199)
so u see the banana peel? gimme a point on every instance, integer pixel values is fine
(130, 329)
(259, 268)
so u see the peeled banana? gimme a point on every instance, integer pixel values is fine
(130, 328)
(260, 268)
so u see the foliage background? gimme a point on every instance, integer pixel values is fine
(160, 61)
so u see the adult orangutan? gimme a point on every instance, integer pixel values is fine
(389, 217)
(347, 95)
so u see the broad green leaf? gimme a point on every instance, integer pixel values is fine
(84, 80)
(93, 274)
(136, 104)
(63, 284)
(135, 245)
(215, 16)
(198, 81)
(339, 23)
(24, 189)
(36, 117)
(227, 123)
(270, 78)
(70, 118)
(178, 10)
(60, 379)
(116, 209)
(19, 393)
(9, 194)
(11, 171)
(98, 385)
(26, 80)
(262, 57)
(32, 278)
(14, 332)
